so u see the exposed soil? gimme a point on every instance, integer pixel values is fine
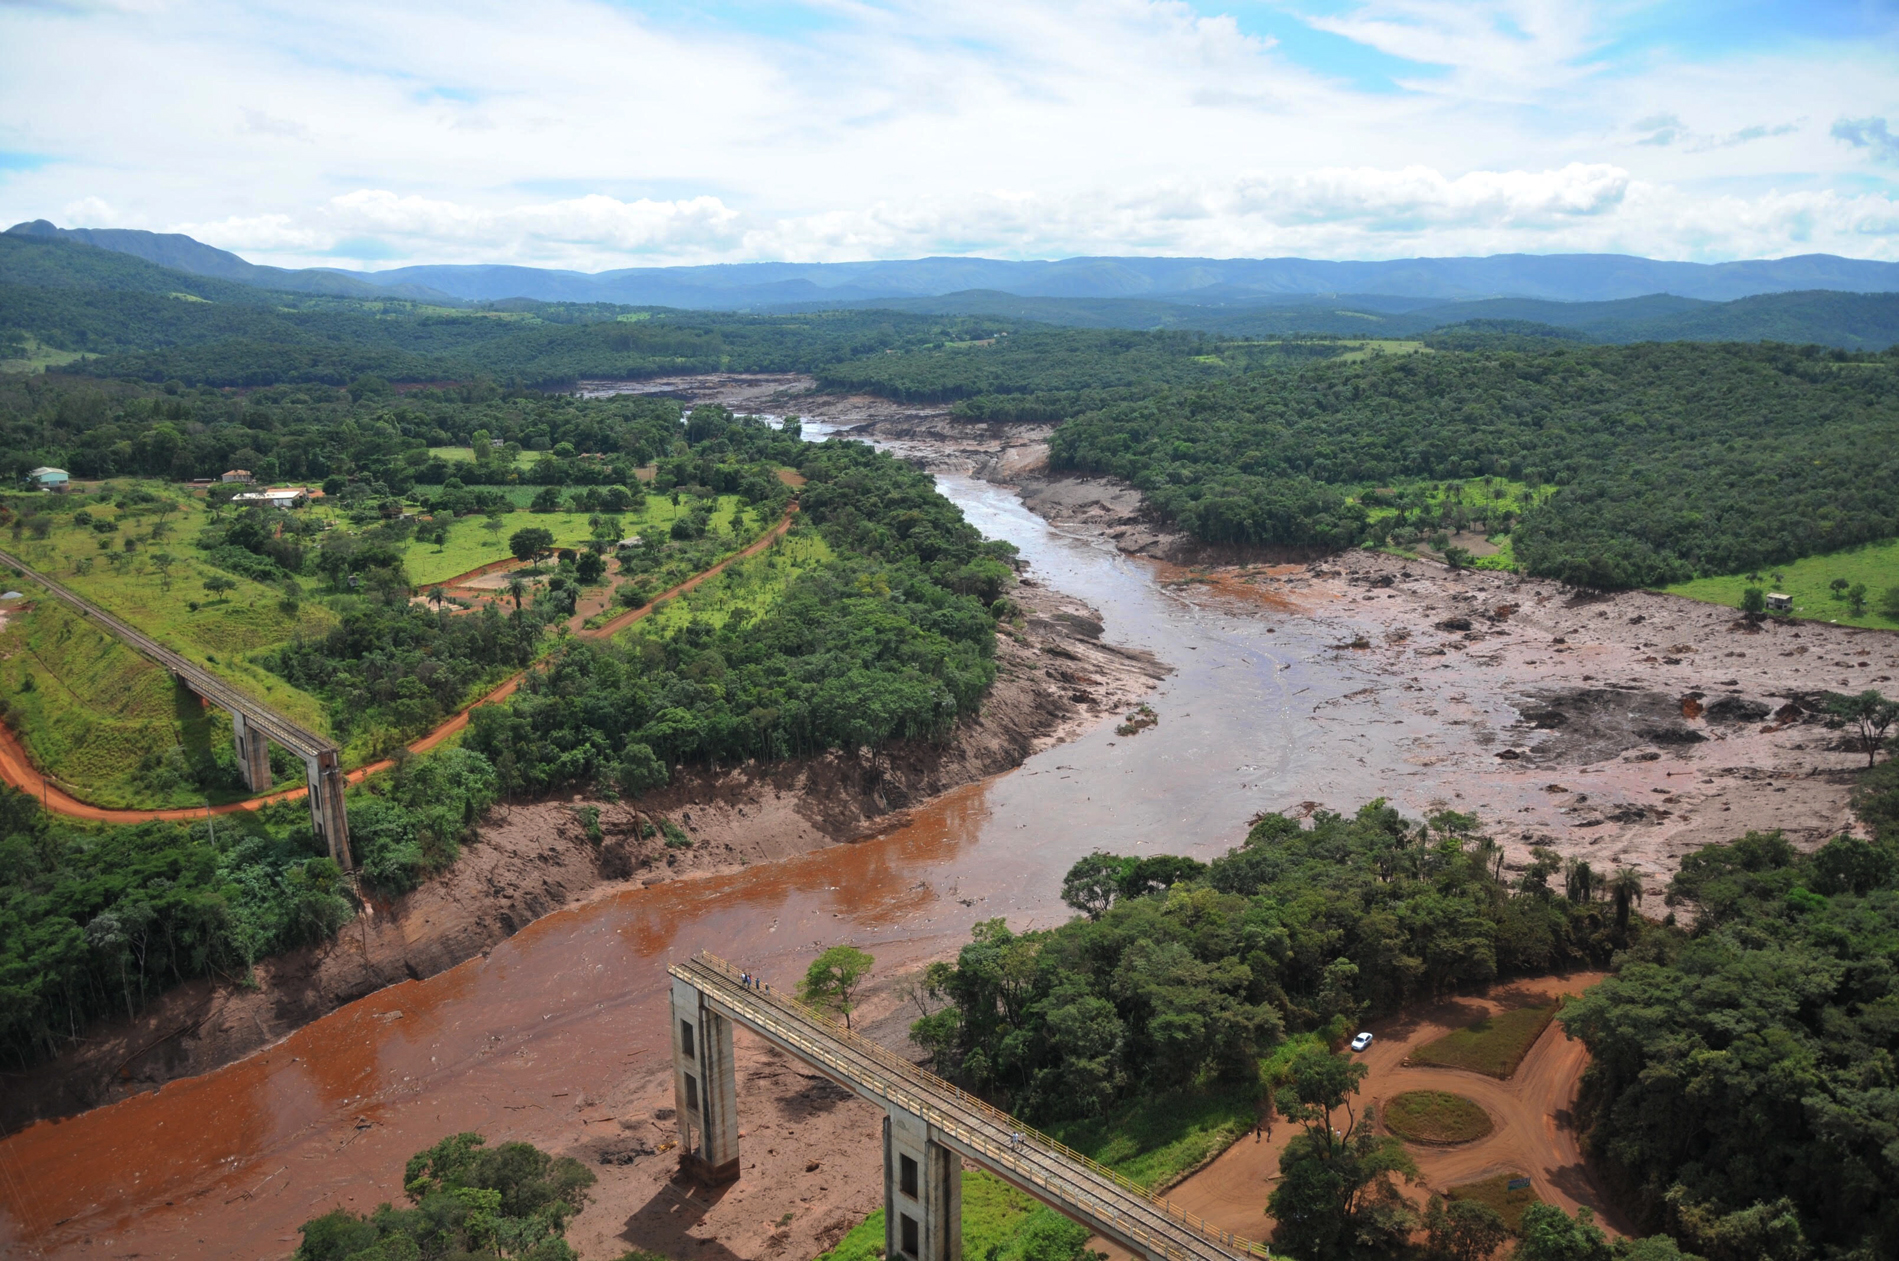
(1055, 680)
(1530, 1116)
(1627, 729)
(810, 1152)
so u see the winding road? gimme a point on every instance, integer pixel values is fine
(17, 768)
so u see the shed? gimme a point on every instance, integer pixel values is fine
(44, 476)
(1779, 603)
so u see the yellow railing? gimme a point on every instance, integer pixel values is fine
(1002, 1147)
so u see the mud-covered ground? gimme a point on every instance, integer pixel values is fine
(1626, 729)
(1055, 679)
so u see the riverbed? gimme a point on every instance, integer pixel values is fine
(511, 1043)
(1268, 707)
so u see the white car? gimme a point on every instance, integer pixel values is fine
(1362, 1041)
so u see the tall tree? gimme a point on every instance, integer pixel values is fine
(833, 979)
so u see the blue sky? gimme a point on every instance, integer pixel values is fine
(611, 133)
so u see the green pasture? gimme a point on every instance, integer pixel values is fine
(1377, 346)
(1000, 1223)
(745, 589)
(1808, 581)
(466, 455)
(157, 596)
(471, 544)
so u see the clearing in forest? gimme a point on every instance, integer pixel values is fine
(1493, 1046)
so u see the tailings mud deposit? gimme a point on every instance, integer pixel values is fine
(557, 1036)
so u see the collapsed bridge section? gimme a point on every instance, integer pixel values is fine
(930, 1127)
(257, 726)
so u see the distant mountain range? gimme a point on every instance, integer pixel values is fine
(42, 257)
(1175, 281)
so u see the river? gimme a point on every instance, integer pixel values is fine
(228, 1164)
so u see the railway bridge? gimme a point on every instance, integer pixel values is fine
(257, 725)
(930, 1127)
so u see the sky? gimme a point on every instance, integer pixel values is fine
(597, 134)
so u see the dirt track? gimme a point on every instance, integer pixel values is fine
(1530, 1112)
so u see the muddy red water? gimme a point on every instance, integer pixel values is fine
(228, 1164)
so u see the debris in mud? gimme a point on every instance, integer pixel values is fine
(1735, 709)
(1597, 723)
(1139, 719)
(1454, 624)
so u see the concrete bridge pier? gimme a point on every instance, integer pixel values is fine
(705, 1087)
(923, 1191)
(324, 774)
(253, 753)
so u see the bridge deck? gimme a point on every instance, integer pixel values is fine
(277, 728)
(1065, 1179)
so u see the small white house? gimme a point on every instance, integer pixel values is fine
(47, 477)
(1779, 603)
(237, 475)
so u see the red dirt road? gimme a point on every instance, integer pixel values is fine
(17, 769)
(1530, 1112)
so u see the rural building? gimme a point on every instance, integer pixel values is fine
(47, 477)
(1779, 603)
(238, 475)
(288, 497)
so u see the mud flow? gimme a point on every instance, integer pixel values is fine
(1293, 687)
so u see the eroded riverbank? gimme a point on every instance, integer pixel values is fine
(557, 1034)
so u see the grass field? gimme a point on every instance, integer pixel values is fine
(1152, 1141)
(156, 595)
(1435, 1116)
(1875, 564)
(1497, 1194)
(747, 588)
(471, 544)
(466, 455)
(1000, 1223)
(1157, 1140)
(1494, 1046)
(35, 357)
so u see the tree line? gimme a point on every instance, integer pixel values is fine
(1668, 460)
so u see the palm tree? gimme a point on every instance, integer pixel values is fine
(1579, 880)
(1624, 888)
(436, 596)
(516, 590)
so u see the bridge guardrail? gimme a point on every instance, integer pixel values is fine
(998, 1146)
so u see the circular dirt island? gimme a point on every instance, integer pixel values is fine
(1436, 1117)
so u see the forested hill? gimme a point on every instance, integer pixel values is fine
(131, 318)
(1666, 460)
(1851, 321)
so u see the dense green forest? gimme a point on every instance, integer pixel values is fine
(893, 640)
(1850, 321)
(153, 324)
(1742, 1088)
(94, 920)
(470, 1200)
(1669, 460)
(1743, 1084)
(1183, 973)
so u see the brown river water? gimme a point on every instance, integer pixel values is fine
(512, 1044)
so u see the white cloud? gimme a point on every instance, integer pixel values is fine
(405, 130)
